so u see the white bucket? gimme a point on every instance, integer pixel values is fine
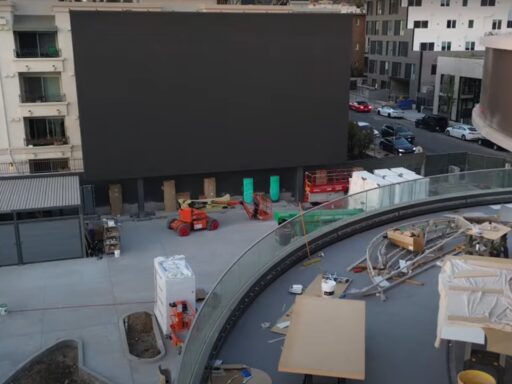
(328, 287)
(117, 253)
(3, 309)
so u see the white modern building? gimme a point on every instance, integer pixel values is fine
(457, 86)
(456, 25)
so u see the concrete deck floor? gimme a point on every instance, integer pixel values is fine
(85, 298)
(400, 332)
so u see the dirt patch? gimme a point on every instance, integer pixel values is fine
(140, 335)
(55, 366)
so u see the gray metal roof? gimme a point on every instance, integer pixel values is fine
(38, 193)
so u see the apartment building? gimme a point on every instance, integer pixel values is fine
(448, 34)
(456, 25)
(391, 63)
(39, 117)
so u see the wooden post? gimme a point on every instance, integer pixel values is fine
(115, 194)
(210, 188)
(169, 188)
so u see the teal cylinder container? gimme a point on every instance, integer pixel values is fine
(274, 188)
(248, 190)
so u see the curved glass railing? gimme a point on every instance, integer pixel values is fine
(294, 233)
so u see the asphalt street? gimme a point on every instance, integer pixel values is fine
(431, 142)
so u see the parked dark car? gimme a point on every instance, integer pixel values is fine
(397, 145)
(389, 130)
(488, 143)
(434, 123)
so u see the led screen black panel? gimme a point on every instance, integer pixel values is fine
(170, 93)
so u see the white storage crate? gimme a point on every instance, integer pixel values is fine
(174, 281)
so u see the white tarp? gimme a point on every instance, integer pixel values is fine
(475, 291)
(401, 186)
(375, 197)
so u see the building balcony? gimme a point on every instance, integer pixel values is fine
(42, 106)
(38, 98)
(33, 53)
(38, 64)
(46, 141)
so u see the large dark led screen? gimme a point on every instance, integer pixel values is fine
(181, 93)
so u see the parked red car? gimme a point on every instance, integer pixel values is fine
(360, 106)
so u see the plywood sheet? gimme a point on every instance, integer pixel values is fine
(313, 289)
(334, 349)
(169, 188)
(499, 341)
(497, 231)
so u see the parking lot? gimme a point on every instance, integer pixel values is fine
(432, 143)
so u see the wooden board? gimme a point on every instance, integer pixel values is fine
(169, 188)
(326, 338)
(233, 376)
(495, 234)
(209, 188)
(313, 289)
(115, 194)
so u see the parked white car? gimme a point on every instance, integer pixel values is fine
(464, 132)
(366, 126)
(388, 111)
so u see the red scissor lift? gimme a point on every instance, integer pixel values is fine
(326, 185)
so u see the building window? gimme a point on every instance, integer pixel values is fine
(414, 3)
(409, 71)
(394, 48)
(445, 3)
(433, 69)
(446, 46)
(403, 47)
(377, 27)
(383, 84)
(40, 88)
(373, 47)
(470, 45)
(396, 30)
(385, 27)
(488, 3)
(383, 68)
(451, 24)
(369, 8)
(357, 21)
(393, 7)
(396, 69)
(357, 47)
(380, 7)
(509, 24)
(471, 23)
(45, 131)
(371, 66)
(426, 46)
(36, 44)
(421, 24)
(464, 3)
(496, 24)
(379, 49)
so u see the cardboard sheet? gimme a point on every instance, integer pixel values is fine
(326, 338)
(313, 289)
(499, 341)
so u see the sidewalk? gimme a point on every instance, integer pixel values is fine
(410, 115)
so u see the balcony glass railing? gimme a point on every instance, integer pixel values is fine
(37, 98)
(30, 53)
(270, 249)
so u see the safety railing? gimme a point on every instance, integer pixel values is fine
(41, 166)
(293, 234)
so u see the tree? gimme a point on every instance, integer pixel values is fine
(359, 140)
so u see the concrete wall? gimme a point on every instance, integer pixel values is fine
(458, 67)
(437, 17)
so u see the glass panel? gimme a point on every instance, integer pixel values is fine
(52, 88)
(290, 235)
